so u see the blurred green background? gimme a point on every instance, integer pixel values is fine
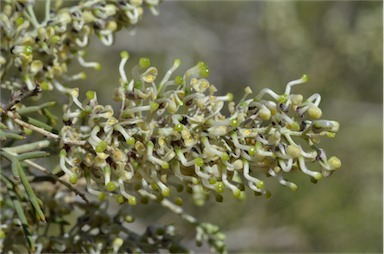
(266, 44)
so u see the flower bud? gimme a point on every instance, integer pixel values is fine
(334, 162)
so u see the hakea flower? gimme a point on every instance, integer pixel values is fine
(61, 35)
(173, 131)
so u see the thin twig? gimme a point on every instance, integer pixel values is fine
(44, 170)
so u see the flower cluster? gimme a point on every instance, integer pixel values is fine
(165, 137)
(171, 135)
(41, 51)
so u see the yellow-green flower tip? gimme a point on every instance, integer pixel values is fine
(236, 193)
(45, 86)
(294, 126)
(179, 201)
(297, 99)
(36, 66)
(219, 187)
(234, 123)
(225, 157)
(314, 112)
(178, 80)
(154, 106)
(265, 114)
(19, 21)
(129, 219)
(55, 39)
(63, 153)
(294, 187)
(293, 151)
(144, 62)
(230, 96)
(101, 146)
(166, 192)
(98, 66)
(102, 196)
(73, 179)
(248, 90)
(2, 234)
(318, 176)
(195, 181)
(111, 186)
(154, 186)
(334, 162)
(241, 196)
(260, 184)
(177, 62)
(199, 162)
(204, 72)
(165, 165)
(90, 94)
(252, 151)
(130, 141)
(83, 75)
(120, 199)
(212, 180)
(28, 50)
(282, 98)
(178, 127)
(124, 54)
(132, 200)
(117, 243)
(304, 77)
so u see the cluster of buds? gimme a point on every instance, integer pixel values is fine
(40, 51)
(171, 135)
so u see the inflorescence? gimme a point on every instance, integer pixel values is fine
(167, 136)
(42, 51)
(171, 135)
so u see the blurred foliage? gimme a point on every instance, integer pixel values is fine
(263, 44)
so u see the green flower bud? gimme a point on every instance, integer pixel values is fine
(124, 54)
(204, 72)
(314, 112)
(219, 187)
(154, 106)
(90, 94)
(132, 200)
(129, 219)
(101, 146)
(165, 165)
(144, 62)
(293, 151)
(334, 162)
(236, 193)
(111, 186)
(130, 141)
(73, 179)
(179, 201)
(166, 192)
(234, 123)
(264, 114)
(178, 127)
(102, 196)
(178, 80)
